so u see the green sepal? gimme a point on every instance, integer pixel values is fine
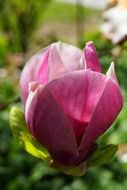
(76, 171)
(102, 155)
(20, 130)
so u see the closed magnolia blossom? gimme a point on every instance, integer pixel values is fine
(68, 102)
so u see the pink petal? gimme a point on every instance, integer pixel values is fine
(91, 59)
(105, 112)
(111, 73)
(78, 94)
(42, 73)
(63, 58)
(30, 71)
(52, 62)
(50, 126)
(56, 66)
(70, 56)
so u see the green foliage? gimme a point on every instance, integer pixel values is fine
(102, 155)
(96, 36)
(3, 48)
(64, 12)
(19, 19)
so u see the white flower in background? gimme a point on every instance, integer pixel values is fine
(115, 22)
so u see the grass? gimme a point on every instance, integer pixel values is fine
(65, 12)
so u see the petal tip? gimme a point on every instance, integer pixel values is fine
(91, 59)
(90, 46)
(90, 43)
(111, 72)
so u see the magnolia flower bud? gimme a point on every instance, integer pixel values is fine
(68, 102)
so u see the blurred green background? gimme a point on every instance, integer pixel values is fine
(25, 28)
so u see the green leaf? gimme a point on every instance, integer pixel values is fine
(76, 171)
(20, 130)
(102, 155)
